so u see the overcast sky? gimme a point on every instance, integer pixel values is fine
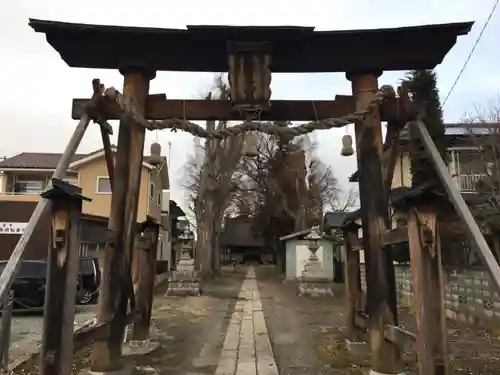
(37, 86)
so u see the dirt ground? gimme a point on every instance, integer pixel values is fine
(191, 331)
(307, 334)
(310, 340)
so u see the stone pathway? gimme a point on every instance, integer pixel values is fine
(247, 349)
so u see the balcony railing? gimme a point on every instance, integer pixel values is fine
(32, 192)
(467, 182)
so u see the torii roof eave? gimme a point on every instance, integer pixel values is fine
(294, 49)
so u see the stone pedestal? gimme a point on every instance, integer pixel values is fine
(313, 282)
(184, 281)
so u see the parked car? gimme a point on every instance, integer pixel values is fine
(89, 281)
(29, 285)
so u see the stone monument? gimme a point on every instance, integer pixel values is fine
(313, 282)
(185, 279)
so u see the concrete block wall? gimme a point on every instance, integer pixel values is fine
(469, 295)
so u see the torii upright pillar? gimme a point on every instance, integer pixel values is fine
(385, 355)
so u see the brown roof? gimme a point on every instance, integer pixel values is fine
(36, 160)
(48, 160)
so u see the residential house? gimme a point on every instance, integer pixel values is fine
(26, 175)
(467, 166)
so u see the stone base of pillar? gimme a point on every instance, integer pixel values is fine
(357, 347)
(128, 368)
(313, 282)
(184, 288)
(315, 288)
(184, 283)
(137, 347)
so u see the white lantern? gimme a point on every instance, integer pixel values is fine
(250, 149)
(347, 149)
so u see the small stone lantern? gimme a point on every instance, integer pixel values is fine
(313, 282)
(347, 149)
(313, 238)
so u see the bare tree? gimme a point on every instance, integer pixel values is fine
(210, 185)
(283, 191)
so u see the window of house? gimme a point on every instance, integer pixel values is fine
(28, 187)
(151, 190)
(158, 199)
(103, 185)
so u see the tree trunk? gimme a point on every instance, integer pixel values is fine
(205, 232)
(215, 259)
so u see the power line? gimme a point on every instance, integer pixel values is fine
(472, 51)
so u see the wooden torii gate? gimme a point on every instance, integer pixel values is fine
(250, 55)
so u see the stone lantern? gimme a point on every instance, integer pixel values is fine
(314, 282)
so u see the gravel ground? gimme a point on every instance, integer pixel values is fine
(310, 340)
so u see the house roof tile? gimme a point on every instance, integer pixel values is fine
(36, 160)
(49, 160)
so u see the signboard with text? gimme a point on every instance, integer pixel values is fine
(12, 228)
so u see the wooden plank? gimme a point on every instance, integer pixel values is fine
(59, 313)
(85, 336)
(159, 108)
(352, 285)
(395, 236)
(108, 155)
(428, 292)
(399, 336)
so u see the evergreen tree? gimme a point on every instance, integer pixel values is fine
(423, 90)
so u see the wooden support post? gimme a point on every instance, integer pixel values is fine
(146, 259)
(428, 291)
(58, 324)
(352, 283)
(108, 152)
(374, 210)
(117, 286)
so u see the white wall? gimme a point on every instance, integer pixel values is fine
(301, 250)
(164, 242)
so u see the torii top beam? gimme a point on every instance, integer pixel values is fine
(293, 49)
